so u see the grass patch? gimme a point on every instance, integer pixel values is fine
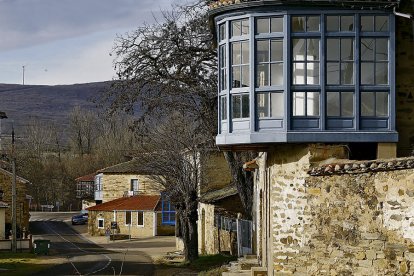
(209, 262)
(14, 264)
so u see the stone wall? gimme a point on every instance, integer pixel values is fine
(215, 172)
(207, 233)
(355, 222)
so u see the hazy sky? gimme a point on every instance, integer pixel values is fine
(66, 41)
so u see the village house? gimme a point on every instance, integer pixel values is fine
(322, 91)
(85, 190)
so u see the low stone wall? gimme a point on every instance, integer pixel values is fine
(25, 244)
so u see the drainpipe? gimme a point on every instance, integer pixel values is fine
(405, 15)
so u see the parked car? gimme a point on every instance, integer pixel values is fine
(80, 219)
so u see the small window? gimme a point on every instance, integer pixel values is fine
(306, 104)
(269, 25)
(270, 105)
(269, 62)
(222, 67)
(222, 32)
(240, 64)
(240, 27)
(374, 104)
(305, 61)
(303, 24)
(374, 61)
(343, 23)
(240, 105)
(140, 218)
(340, 104)
(223, 107)
(127, 217)
(340, 61)
(101, 223)
(370, 23)
(134, 185)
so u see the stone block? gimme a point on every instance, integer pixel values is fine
(404, 267)
(380, 264)
(376, 245)
(371, 236)
(365, 263)
(371, 254)
(360, 255)
(314, 191)
(409, 256)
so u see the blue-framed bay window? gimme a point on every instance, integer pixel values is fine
(320, 71)
(167, 211)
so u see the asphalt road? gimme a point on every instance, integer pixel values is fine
(82, 256)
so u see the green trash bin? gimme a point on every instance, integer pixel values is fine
(41, 247)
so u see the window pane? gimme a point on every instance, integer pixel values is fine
(332, 23)
(222, 56)
(276, 24)
(245, 27)
(236, 77)
(236, 28)
(299, 104)
(312, 73)
(235, 49)
(381, 73)
(347, 104)
(245, 76)
(100, 223)
(140, 218)
(263, 51)
(128, 217)
(347, 49)
(367, 73)
(381, 104)
(312, 104)
(277, 105)
(332, 74)
(262, 75)
(367, 48)
(276, 50)
(332, 50)
(236, 106)
(347, 73)
(277, 74)
(347, 23)
(245, 52)
(223, 79)
(299, 49)
(367, 104)
(262, 105)
(367, 23)
(223, 109)
(381, 23)
(299, 73)
(298, 23)
(313, 49)
(245, 106)
(222, 30)
(381, 49)
(262, 25)
(312, 24)
(332, 102)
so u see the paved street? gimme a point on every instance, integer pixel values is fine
(94, 256)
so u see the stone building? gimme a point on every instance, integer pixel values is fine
(322, 90)
(85, 190)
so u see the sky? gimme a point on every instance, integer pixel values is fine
(67, 41)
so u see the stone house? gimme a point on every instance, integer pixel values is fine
(136, 216)
(124, 179)
(85, 189)
(322, 90)
(22, 204)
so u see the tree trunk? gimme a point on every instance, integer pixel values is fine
(188, 223)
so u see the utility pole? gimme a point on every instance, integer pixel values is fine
(14, 217)
(2, 116)
(23, 73)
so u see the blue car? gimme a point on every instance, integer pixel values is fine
(80, 219)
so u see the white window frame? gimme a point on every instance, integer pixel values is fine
(103, 223)
(143, 219)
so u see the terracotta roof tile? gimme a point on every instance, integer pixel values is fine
(134, 203)
(89, 177)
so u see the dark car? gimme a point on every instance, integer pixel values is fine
(80, 219)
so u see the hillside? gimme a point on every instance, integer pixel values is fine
(46, 103)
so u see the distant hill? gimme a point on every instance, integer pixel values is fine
(46, 103)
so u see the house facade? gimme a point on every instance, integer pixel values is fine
(85, 190)
(322, 90)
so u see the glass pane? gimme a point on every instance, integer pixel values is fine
(236, 28)
(245, 106)
(262, 25)
(313, 49)
(276, 50)
(312, 24)
(235, 49)
(277, 105)
(367, 104)
(367, 48)
(347, 49)
(245, 52)
(222, 30)
(332, 104)
(332, 73)
(276, 24)
(347, 104)
(245, 76)
(367, 73)
(312, 73)
(236, 77)
(299, 104)
(262, 75)
(381, 73)
(332, 50)
(381, 49)
(367, 23)
(381, 104)
(223, 109)
(245, 27)
(332, 23)
(262, 100)
(299, 49)
(299, 73)
(312, 104)
(223, 79)
(236, 106)
(347, 23)
(276, 74)
(381, 23)
(298, 23)
(263, 51)
(222, 56)
(347, 73)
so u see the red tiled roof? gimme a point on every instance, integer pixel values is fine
(133, 203)
(89, 177)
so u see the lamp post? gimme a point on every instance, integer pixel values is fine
(14, 217)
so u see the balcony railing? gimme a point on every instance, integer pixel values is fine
(98, 195)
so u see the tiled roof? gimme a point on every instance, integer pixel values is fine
(132, 166)
(18, 178)
(133, 203)
(89, 177)
(216, 195)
